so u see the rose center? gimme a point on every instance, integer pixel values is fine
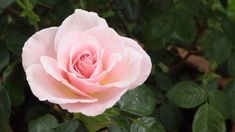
(85, 63)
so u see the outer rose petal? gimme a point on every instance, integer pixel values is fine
(146, 64)
(80, 20)
(106, 100)
(40, 44)
(46, 87)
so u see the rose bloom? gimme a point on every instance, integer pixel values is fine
(83, 65)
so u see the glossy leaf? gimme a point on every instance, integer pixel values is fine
(46, 123)
(147, 124)
(186, 94)
(134, 100)
(121, 124)
(94, 124)
(69, 126)
(220, 101)
(208, 119)
(170, 116)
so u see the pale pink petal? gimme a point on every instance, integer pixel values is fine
(106, 100)
(125, 72)
(50, 66)
(40, 44)
(95, 87)
(70, 43)
(80, 20)
(108, 39)
(46, 87)
(91, 47)
(146, 64)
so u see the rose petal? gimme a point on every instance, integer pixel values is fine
(46, 87)
(70, 42)
(125, 71)
(146, 64)
(80, 20)
(106, 100)
(51, 68)
(40, 44)
(94, 87)
(108, 39)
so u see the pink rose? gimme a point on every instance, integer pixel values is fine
(83, 65)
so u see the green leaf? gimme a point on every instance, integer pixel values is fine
(170, 116)
(163, 81)
(36, 111)
(14, 82)
(186, 94)
(185, 19)
(46, 123)
(231, 9)
(220, 101)
(216, 46)
(69, 126)
(134, 100)
(5, 3)
(208, 119)
(230, 90)
(158, 32)
(231, 65)
(116, 128)
(5, 110)
(94, 123)
(13, 44)
(147, 124)
(229, 29)
(5, 58)
(195, 7)
(121, 124)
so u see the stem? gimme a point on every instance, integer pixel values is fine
(20, 4)
(36, 26)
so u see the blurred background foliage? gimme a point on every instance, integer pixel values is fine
(191, 87)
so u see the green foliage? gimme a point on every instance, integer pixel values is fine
(216, 45)
(14, 82)
(231, 65)
(4, 54)
(147, 124)
(187, 94)
(170, 116)
(208, 119)
(5, 109)
(96, 123)
(230, 90)
(179, 95)
(45, 123)
(134, 100)
(220, 101)
(5, 3)
(69, 126)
